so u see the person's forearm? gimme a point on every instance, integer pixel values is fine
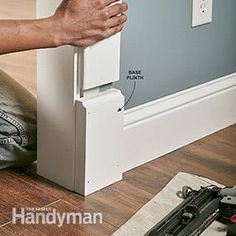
(79, 23)
(20, 35)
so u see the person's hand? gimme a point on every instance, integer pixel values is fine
(84, 22)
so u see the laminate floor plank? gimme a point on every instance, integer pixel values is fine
(16, 193)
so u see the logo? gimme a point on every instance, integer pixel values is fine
(30, 216)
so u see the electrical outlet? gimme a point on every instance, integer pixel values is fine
(201, 12)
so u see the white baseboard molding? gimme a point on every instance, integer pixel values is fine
(162, 126)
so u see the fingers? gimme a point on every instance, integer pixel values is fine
(116, 9)
(116, 21)
(113, 31)
(109, 2)
(84, 22)
(101, 4)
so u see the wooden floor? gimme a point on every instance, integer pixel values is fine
(213, 157)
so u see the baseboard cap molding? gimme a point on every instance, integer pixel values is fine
(174, 101)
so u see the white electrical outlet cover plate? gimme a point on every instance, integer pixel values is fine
(201, 12)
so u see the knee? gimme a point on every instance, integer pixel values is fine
(17, 143)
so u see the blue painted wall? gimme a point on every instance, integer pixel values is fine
(159, 40)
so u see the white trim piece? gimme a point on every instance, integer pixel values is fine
(56, 120)
(100, 66)
(68, 82)
(162, 126)
(99, 141)
(181, 98)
